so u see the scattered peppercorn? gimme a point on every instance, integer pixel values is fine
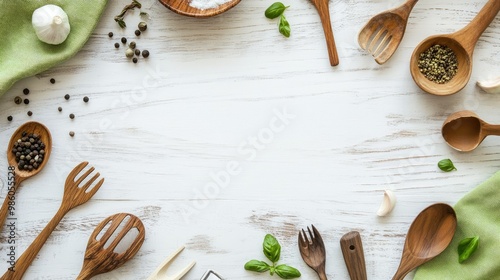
(129, 53)
(71, 133)
(137, 52)
(85, 99)
(134, 60)
(30, 113)
(145, 53)
(9, 118)
(142, 26)
(18, 100)
(59, 109)
(124, 40)
(66, 96)
(71, 116)
(132, 45)
(117, 45)
(52, 81)
(26, 101)
(29, 151)
(110, 34)
(438, 64)
(26, 91)
(137, 32)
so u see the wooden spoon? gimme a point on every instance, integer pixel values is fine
(462, 43)
(21, 175)
(464, 130)
(100, 258)
(182, 7)
(74, 195)
(354, 257)
(324, 14)
(429, 235)
(382, 35)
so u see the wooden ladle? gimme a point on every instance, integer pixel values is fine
(429, 235)
(464, 130)
(100, 258)
(462, 43)
(21, 175)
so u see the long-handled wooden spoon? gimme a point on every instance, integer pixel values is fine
(100, 258)
(324, 14)
(382, 35)
(462, 43)
(354, 257)
(21, 175)
(464, 130)
(429, 234)
(74, 195)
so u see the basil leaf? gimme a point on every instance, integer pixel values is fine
(284, 26)
(446, 165)
(275, 10)
(257, 266)
(286, 272)
(272, 248)
(466, 247)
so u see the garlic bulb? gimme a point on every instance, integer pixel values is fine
(51, 24)
(491, 85)
(387, 204)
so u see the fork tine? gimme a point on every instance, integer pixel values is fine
(87, 184)
(375, 42)
(76, 171)
(383, 45)
(301, 240)
(95, 188)
(85, 175)
(305, 236)
(317, 235)
(310, 234)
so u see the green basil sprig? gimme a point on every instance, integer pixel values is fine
(446, 165)
(272, 250)
(276, 10)
(466, 247)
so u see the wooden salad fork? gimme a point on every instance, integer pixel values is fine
(324, 14)
(74, 195)
(313, 252)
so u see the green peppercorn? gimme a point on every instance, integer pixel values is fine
(137, 32)
(85, 99)
(30, 113)
(132, 45)
(52, 81)
(145, 53)
(26, 91)
(66, 96)
(134, 60)
(124, 40)
(117, 45)
(129, 53)
(142, 26)
(71, 116)
(18, 100)
(137, 52)
(9, 118)
(110, 34)
(26, 101)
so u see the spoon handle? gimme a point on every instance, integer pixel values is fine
(324, 14)
(352, 250)
(492, 129)
(405, 9)
(471, 33)
(32, 251)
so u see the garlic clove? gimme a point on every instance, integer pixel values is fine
(51, 24)
(490, 85)
(387, 204)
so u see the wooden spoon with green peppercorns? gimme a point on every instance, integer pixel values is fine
(9, 203)
(462, 43)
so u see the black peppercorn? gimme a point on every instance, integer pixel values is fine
(137, 52)
(132, 45)
(85, 99)
(71, 116)
(59, 109)
(26, 91)
(137, 32)
(142, 26)
(30, 113)
(145, 53)
(52, 81)
(71, 133)
(26, 101)
(18, 100)
(124, 40)
(134, 60)
(66, 96)
(117, 45)
(9, 118)
(110, 34)
(29, 151)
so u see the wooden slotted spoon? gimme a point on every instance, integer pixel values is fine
(383, 33)
(101, 259)
(74, 195)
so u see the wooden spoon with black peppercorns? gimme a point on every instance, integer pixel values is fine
(34, 158)
(462, 43)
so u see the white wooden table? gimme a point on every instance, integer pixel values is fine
(295, 141)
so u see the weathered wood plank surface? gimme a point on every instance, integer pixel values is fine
(329, 140)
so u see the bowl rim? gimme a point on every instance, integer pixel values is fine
(197, 13)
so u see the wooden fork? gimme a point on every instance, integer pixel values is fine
(313, 251)
(74, 195)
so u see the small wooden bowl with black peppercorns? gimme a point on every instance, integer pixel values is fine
(182, 7)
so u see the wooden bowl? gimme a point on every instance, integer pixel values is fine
(182, 7)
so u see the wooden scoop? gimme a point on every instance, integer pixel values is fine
(100, 258)
(382, 35)
(464, 130)
(462, 43)
(429, 235)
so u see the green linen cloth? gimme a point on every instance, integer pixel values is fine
(478, 213)
(22, 54)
